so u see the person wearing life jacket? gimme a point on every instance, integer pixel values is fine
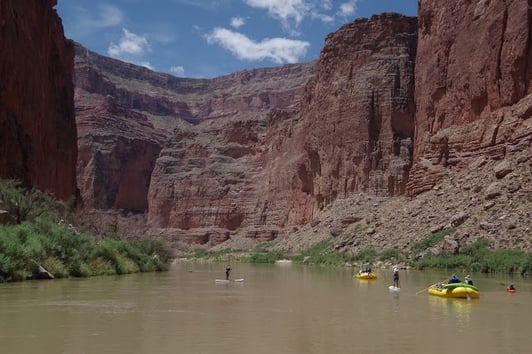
(454, 279)
(396, 277)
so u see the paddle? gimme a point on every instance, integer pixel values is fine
(422, 290)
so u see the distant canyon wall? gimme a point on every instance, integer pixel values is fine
(391, 106)
(151, 142)
(473, 75)
(259, 150)
(37, 121)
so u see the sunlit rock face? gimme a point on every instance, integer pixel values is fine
(37, 123)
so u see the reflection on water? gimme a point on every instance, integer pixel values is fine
(456, 312)
(276, 310)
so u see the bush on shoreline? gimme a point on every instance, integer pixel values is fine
(41, 240)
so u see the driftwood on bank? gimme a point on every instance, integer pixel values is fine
(44, 274)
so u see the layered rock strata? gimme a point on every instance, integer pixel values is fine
(174, 146)
(473, 73)
(358, 114)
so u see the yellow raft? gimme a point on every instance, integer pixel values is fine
(366, 275)
(455, 290)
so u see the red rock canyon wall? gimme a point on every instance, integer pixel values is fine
(473, 75)
(37, 123)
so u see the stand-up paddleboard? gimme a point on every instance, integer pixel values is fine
(225, 281)
(394, 288)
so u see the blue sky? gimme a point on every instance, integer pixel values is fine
(210, 38)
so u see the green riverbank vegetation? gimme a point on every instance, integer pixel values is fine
(474, 257)
(39, 239)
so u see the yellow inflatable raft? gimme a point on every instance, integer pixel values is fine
(455, 290)
(366, 275)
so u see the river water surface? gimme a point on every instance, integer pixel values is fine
(277, 309)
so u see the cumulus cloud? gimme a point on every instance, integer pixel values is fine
(289, 12)
(130, 44)
(237, 22)
(279, 50)
(348, 8)
(177, 70)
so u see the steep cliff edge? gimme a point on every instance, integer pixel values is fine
(355, 129)
(358, 115)
(474, 66)
(37, 122)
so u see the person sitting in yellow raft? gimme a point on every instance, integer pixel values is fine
(364, 270)
(454, 279)
(468, 280)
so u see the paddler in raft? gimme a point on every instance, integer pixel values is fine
(454, 279)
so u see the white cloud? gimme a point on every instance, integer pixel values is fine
(237, 22)
(177, 70)
(145, 64)
(109, 16)
(289, 12)
(279, 50)
(129, 44)
(323, 17)
(348, 8)
(326, 4)
(84, 22)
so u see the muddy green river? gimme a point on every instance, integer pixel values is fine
(277, 309)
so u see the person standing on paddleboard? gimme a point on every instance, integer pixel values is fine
(396, 277)
(227, 271)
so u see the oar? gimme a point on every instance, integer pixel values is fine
(420, 291)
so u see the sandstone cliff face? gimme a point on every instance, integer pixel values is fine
(37, 123)
(474, 64)
(356, 126)
(359, 112)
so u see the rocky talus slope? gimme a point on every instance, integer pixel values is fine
(489, 199)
